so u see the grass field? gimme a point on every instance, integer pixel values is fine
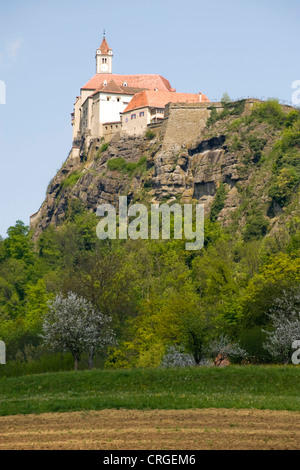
(259, 387)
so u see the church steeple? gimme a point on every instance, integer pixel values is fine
(104, 57)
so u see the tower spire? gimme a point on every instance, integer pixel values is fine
(104, 57)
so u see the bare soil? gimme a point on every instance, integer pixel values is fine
(212, 429)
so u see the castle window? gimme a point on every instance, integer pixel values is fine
(108, 98)
(133, 116)
(142, 114)
(118, 100)
(125, 84)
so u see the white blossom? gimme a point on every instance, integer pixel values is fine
(222, 348)
(73, 325)
(285, 319)
(176, 358)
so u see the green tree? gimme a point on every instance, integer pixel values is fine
(36, 306)
(280, 273)
(18, 244)
(225, 98)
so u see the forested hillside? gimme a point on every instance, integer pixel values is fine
(157, 294)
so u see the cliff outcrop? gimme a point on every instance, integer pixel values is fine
(225, 162)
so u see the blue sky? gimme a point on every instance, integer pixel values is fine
(47, 52)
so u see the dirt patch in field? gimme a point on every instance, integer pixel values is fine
(213, 429)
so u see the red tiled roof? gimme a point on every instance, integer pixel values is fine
(159, 99)
(149, 82)
(104, 48)
(111, 87)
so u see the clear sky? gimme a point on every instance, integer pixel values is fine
(47, 52)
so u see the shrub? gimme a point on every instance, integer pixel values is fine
(292, 117)
(116, 164)
(213, 116)
(101, 150)
(270, 112)
(230, 108)
(150, 134)
(283, 187)
(256, 227)
(177, 358)
(234, 108)
(71, 180)
(256, 145)
(236, 124)
(218, 203)
(236, 143)
(222, 348)
(104, 147)
(290, 139)
(119, 164)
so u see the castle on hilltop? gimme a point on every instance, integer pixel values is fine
(111, 103)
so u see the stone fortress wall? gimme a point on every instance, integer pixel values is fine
(184, 122)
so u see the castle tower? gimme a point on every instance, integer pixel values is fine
(104, 56)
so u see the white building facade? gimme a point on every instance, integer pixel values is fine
(104, 98)
(104, 105)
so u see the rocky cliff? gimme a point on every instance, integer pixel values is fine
(227, 164)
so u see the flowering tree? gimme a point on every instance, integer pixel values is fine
(73, 325)
(285, 319)
(176, 358)
(222, 348)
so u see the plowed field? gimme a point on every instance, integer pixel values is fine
(213, 429)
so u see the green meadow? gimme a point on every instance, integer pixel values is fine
(259, 387)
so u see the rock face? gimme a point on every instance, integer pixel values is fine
(157, 170)
(178, 172)
(195, 173)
